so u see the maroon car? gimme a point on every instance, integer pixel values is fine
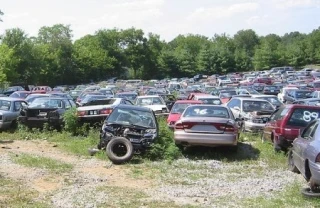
(265, 80)
(286, 123)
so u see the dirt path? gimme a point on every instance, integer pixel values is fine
(68, 188)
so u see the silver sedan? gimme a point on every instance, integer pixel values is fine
(206, 125)
(304, 157)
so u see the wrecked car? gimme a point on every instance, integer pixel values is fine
(45, 110)
(128, 130)
(253, 112)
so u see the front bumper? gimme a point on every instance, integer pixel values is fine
(203, 139)
(253, 127)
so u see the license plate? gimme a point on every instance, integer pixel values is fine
(134, 140)
(208, 128)
(43, 114)
(93, 112)
(272, 90)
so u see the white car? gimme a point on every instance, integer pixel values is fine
(284, 91)
(154, 102)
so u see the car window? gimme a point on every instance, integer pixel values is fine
(67, 104)
(308, 133)
(233, 103)
(302, 117)
(17, 106)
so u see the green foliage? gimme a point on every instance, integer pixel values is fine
(70, 120)
(164, 146)
(35, 161)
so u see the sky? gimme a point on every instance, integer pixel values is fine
(167, 18)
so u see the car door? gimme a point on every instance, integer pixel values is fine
(300, 145)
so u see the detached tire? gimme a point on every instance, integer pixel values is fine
(119, 150)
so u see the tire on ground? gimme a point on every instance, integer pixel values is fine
(113, 156)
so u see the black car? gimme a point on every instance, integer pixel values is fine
(271, 90)
(127, 130)
(43, 110)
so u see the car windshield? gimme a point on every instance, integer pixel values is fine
(302, 94)
(179, 107)
(101, 102)
(127, 96)
(301, 117)
(150, 101)
(5, 105)
(272, 100)
(132, 117)
(253, 105)
(206, 111)
(46, 103)
(213, 101)
(90, 98)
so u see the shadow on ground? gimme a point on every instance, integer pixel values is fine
(245, 152)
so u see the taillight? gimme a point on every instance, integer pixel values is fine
(105, 111)
(318, 158)
(178, 126)
(81, 113)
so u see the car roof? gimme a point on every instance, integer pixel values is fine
(249, 98)
(134, 107)
(302, 106)
(188, 101)
(148, 96)
(10, 99)
(206, 96)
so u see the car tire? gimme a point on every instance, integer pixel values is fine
(315, 188)
(291, 165)
(122, 145)
(276, 146)
(307, 192)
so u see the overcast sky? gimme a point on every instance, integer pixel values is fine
(168, 18)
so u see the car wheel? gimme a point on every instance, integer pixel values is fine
(315, 188)
(291, 164)
(276, 146)
(119, 150)
(307, 192)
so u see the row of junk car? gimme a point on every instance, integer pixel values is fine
(281, 104)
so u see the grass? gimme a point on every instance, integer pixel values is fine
(15, 195)
(34, 161)
(290, 197)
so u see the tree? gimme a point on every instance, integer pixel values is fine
(1, 13)
(246, 41)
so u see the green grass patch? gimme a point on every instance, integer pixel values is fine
(34, 161)
(290, 197)
(15, 195)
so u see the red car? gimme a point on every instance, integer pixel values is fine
(286, 123)
(177, 109)
(266, 80)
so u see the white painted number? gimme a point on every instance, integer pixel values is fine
(308, 116)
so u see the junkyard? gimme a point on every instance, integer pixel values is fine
(157, 103)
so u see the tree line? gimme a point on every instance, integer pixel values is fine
(53, 58)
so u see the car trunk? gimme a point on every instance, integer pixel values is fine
(40, 112)
(207, 125)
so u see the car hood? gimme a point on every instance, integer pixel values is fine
(155, 107)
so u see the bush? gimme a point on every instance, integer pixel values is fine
(164, 146)
(70, 120)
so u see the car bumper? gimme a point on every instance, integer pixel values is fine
(33, 122)
(202, 139)
(253, 127)
(5, 125)
(315, 172)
